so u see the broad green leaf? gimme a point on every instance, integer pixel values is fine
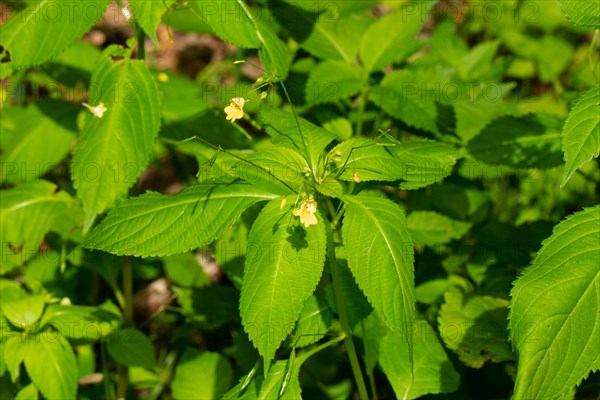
(417, 163)
(52, 367)
(81, 322)
(366, 159)
(430, 227)
(278, 164)
(51, 25)
(581, 133)
(29, 392)
(532, 141)
(355, 303)
(478, 61)
(157, 224)
(42, 136)
(132, 348)
(27, 213)
(424, 162)
(212, 369)
(14, 351)
(273, 52)
(332, 37)
(148, 14)
(313, 323)
(432, 372)
(411, 95)
(114, 150)
(474, 327)
(22, 309)
(332, 80)
(390, 39)
(229, 21)
(554, 320)
(380, 255)
(582, 13)
(283, 129)
(186, 270)
(475, 112)
(284, 262)
(269, 387)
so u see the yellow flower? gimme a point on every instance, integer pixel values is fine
(162, 77)
(235, 109)
(306, 212)
(98, 111)
(356, 178)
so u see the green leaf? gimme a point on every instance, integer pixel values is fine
(430, 227)
(27, 212)
(155, 224)
(14, 351)
(432, 372)
(424, 162)
(52, 367)
(478, 61)
(29, 392)
(332, 80)
(284, 262)
(148, 14)
(581, 133)
(355, 303)
(42, 136)
(229, 21)
(582, 13)
(532, 141)
(283, 129)
(390, 39)
(380, 256)
(81, 322)
(331, 37)
(409, 95)
(21, 309)
(132, 348)
(554, 321)
(212, 369)
(418, 162)
(474, 327)
(186, 270)
(269, 387)
(313, 323)
(279, 164)
(114, 150)
(51, 25)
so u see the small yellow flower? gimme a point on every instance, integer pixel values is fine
(356, 178)
(306, 212)
(98, 111)
(235, 109)
(263, 95)
(162, 77)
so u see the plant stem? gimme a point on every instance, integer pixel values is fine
(369, 371)
(127, 276)
(361, 111)
(141, 39)
(339, 300)
(108, 393)
(306, 152)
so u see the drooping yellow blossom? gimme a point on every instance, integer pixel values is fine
(98, 111)
(235, 109)
(306, 212)
(356, 178)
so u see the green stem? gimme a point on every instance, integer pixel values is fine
(108, 393)
(369, 371)
(306, 152)
(361, 111)
(127, 276)
(141, 39)
(339, 300)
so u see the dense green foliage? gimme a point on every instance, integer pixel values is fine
(351, 199)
